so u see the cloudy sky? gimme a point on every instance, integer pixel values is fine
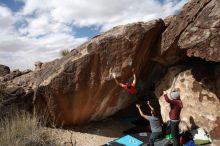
(37, 30)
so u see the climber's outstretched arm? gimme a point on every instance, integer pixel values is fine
(140, 111)
(166, 96)
(151, 108)
(134, 76)
(118, 83)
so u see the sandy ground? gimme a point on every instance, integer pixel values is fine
(96, 133)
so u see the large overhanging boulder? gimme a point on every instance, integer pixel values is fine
(79, 87)
(199, 85)
(193, 33)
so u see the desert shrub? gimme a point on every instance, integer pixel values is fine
(24, 129)
(2, 87)
(64, 52)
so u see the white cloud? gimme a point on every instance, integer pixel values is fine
(5, 17)
(104, 13)
(40, 39)
(22, 52)
(43, 27)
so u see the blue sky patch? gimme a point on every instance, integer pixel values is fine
(86, 31)
(14, 5)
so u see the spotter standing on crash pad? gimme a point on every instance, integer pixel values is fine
(176, 106)
(154, 123)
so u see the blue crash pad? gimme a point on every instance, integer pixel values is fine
(129, 141)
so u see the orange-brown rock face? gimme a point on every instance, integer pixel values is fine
(199, 90)
(194, 33)
(79, 87)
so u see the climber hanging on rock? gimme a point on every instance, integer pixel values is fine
(129, 87)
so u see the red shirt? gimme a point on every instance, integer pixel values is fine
(175, 108)
(132, 90)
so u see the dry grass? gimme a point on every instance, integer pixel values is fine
(2, 87)
(23, 129)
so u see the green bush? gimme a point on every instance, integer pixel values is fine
(64, 52)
